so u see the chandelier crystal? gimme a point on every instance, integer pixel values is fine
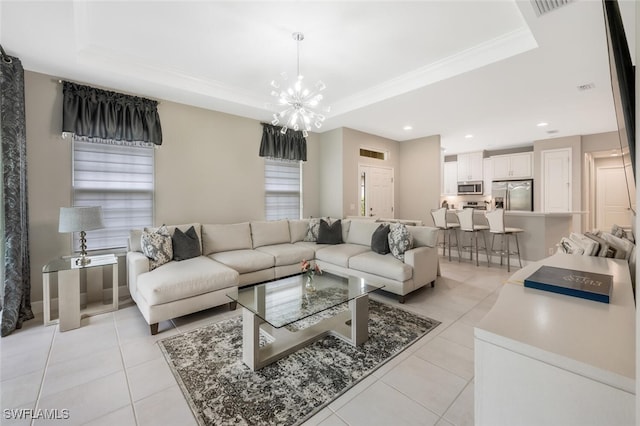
(299, 103)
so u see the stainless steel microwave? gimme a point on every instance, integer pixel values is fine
(467, 188)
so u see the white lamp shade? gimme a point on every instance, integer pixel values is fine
(74, 219)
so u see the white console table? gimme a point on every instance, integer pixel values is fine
(68, 274)
(547, 358)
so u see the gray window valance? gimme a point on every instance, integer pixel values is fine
(289, 146)
(91, 112)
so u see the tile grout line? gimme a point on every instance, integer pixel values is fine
(126, 375)
(46, 367)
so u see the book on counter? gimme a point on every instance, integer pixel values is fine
(587, 285)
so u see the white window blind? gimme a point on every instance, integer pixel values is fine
(119, 177)
(283, 189)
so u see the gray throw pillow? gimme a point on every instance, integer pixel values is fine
(330, 234)
(185, 244)
(400, 240)
(380, 239)
(156, 245)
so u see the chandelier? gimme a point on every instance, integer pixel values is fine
(298, 102)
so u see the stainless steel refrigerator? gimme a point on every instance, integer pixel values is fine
(513, 194)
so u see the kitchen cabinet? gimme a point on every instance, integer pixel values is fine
(513, 166)
(450, 178)
(470, 167)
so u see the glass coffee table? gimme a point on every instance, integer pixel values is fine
(275, 306)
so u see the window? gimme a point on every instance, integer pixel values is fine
(119, 177)
(283, 189)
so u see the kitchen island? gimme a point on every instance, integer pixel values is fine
(545, 358)
(542, 230)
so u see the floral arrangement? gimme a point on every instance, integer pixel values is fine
(309, 270)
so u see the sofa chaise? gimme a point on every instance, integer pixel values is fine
(242, 254)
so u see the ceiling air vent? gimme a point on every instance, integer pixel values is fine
(587, 86)
(545, 6)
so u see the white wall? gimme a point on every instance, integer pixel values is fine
(207, 170)
(330, 170)
(419, 178)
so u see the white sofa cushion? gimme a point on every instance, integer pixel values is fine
(267, 233)
(217, 238)
(383, 265)
(313, 246)
(288, 254)
(179, 280)
(346, 226)
(298, 229)
(423, 236)
(360, 232)
(245, 261)
(339, 254)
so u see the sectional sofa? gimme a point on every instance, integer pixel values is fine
(241, 254)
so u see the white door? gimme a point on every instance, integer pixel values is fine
(556, 180)
(612, 200)
(377, 191)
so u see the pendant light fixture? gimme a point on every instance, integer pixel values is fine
(299, 103)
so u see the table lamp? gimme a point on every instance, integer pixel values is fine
(80, 219)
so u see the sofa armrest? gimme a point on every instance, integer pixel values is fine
(424, 261)
(137, 264)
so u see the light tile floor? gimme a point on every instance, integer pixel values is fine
(111, 371)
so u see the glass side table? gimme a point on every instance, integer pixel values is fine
(68, 274)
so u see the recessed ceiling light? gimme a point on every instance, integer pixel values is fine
(542, 124)
(469, 136)
(408, 127)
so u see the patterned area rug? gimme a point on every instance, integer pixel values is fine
(221, 390)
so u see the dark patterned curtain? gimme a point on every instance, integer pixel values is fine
(289, 146)
(14, 217)
(95, 113)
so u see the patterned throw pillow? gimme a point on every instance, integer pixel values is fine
(400, 240)
(314, 229)
(156, 245)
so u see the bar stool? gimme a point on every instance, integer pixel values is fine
(440, 221)
(465, 217)
(496, 227)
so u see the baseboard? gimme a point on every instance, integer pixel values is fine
(495, 260)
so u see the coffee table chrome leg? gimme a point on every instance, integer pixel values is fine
(250, 339)
(359, 308)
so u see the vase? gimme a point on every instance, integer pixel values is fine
(309, 285)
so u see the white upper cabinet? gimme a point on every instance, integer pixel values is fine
(513, 166)
(450, 178)
(470, 167)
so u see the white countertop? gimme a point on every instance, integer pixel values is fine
(592, 339)
(521, 213)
